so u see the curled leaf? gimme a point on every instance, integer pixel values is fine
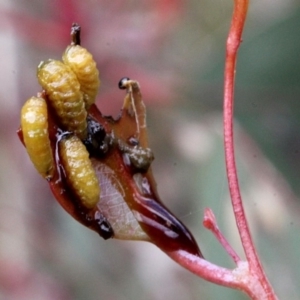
(114, 160)
(129, 207)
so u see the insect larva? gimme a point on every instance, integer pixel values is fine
(63, 90)
(79, 170)
(140, 158)
(34, 124)
(83, 65)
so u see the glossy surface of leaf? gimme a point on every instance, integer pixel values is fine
(129, 206)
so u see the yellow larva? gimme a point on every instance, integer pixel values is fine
(34, 124)
(84, 66)
(63, 90)
(79, 170)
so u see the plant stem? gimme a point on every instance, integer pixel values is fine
(238, 278)
(211, 224)
(233, 43)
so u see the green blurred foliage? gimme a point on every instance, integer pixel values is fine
(268, 90)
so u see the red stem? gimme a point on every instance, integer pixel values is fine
(233, 43)
(239, 278)
(211, 224)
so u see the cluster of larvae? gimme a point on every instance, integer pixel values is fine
(70, 86)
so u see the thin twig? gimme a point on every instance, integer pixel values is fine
(211, 224)
(233, 43)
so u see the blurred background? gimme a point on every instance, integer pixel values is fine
(175, 49)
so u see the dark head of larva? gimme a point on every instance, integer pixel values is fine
(75, 34)
(97, 141)
(103, 226)
(122, 83)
